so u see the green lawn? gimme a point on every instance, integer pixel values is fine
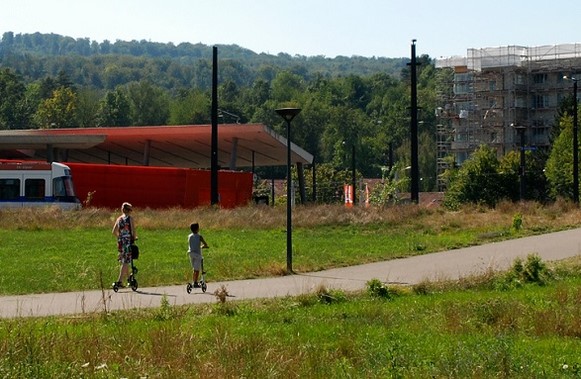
(35, 261)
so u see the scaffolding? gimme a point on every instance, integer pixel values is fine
(515, 56)
(443, 148)
(496, 89)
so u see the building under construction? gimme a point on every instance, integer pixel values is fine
(493, 94)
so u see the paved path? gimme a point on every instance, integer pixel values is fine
(451, 264)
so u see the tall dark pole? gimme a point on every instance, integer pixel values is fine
(214, 153)
(415, 172)
(575, 146)
(289, 218)
(288, 114)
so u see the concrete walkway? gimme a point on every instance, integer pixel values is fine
(451, 264)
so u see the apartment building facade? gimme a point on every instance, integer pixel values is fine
(494, 94)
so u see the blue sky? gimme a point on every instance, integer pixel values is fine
(381, 28)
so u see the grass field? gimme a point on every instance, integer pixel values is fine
(499, 325)
(54, 251)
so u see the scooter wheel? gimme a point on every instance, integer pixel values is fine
(134, 285)
(204, 287)
(115, 287)
(189, 288)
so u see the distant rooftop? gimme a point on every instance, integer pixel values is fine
(488, 57)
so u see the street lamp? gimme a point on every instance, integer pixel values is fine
(575, 143)
(288, 114)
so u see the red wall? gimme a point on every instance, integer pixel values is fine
(157, 187)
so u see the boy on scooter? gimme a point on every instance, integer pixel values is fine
(195, 245)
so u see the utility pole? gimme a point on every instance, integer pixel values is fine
(214, 153)
(575, 146)
(415, 172)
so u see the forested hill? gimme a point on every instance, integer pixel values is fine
(106, 65)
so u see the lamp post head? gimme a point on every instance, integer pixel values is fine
(288, 113)
(570, 78)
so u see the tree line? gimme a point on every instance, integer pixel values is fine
(105, 65)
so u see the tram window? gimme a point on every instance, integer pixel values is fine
(34, 189)
(9, 189)
(58, 187)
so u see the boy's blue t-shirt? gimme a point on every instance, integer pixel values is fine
(195, 246)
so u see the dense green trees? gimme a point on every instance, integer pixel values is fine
(14, 113)
(58, 110)
(114, 109)
(107, 65)
(559, 169)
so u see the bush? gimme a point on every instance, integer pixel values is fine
(477, 181)
(532, 271)
(376, 288)
(517, 222)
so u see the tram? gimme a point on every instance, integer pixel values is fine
(34, 184)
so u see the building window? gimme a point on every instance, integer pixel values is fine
(540, 136)
(540, 78)
(463, 77)
(540, 101)
(539, 123)
(492, 85)
(462, 88)
(462, 84)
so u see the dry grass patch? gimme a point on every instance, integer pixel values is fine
(560, 214)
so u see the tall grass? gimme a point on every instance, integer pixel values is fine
(560, 214)
(527, 332)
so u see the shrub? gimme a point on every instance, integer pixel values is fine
(532, 271)
(165, 311)
(376, 288)
(387, 192)
(517, 222)
(477, 181)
